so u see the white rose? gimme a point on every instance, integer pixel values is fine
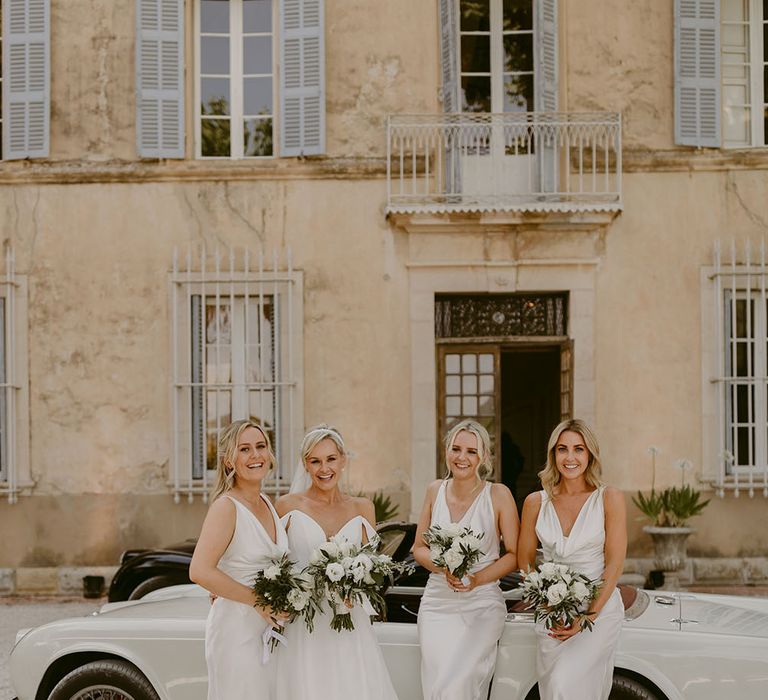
(334, 572)
(567, 578)
(347, 549)
(358, 573)
(331, 549)
(272, 572)
(557, 593)
(548, 570)
(316, 557)
(453, 559)
(580, 591)
(435, 554)
(365, 561)
(348, 563)
(298, 599)
(451, 530)
(533, 578)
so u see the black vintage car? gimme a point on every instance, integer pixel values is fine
(145, 570)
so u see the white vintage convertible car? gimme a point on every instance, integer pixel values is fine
(673, 646)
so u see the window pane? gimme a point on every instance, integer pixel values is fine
(742, 402)
(741, 360)
(474, 15)
(469, 384)
(261, 405)
(257, 137)
(214, 94)
(257, 54)
(452, 406)
(215, 137)
(744, 457)
(486, 383)
(486, 363)
(518, 14)
(452, 364)
(734, 35)
(214, 16)
(452, 385)
(257, 96)
(475, 54)
(257, 16)
(476, 92)
(469, 405)
(518, 52)
(518, 93)
(469, 364)
(214, 55)
(486, 406)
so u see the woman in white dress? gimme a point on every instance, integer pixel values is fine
(241, 533)
(460, 623)
(582, 524)
(326, 664)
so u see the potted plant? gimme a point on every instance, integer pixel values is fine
(669, 511)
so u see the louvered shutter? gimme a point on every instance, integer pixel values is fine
(546, 56)
(26, 79)
(160, 78)
(545, 93)
(302, 78)
(697, 72)
(449, 37)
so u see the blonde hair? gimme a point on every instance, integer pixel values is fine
(227, 452)
(550, 476)
(485, 468)
(316, 435)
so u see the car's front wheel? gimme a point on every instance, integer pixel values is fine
(110, 679)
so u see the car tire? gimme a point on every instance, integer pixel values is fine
(151, 584)
(625, 688)
(99, 679)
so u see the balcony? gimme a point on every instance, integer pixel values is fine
(525, 163)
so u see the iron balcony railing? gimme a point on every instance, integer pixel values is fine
(525, 161)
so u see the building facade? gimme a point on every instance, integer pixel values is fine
(385, 216)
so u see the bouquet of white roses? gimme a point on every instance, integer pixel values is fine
(559, 595)
(345, 573)
(454, 547)
(283, 588)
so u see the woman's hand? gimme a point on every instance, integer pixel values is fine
(458, 585)
(563, 633)
(274, 619)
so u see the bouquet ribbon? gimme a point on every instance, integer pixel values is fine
(269, 633)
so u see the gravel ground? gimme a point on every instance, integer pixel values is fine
(18, 613)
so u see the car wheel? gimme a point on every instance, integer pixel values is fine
(110, 679)
(151, 584)
(625, 688)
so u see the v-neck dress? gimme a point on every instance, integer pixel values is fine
(325, 664)
(233, 646)
(458, 632)
(581, 667)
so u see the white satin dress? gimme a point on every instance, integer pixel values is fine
(581, 667)
(459, 632)
(233, 646)
(325, 664)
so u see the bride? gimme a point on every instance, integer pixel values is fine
(582, 524)
(345, 665)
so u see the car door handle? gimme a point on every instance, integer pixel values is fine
(408, 610)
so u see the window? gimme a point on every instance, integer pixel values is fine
(744, 66)
(236, 338)
(736, 370)
(496, 48)
(721, 73)
(14, 393)
(235, 81)
(25, 78)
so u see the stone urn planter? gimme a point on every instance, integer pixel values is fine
(669, 544)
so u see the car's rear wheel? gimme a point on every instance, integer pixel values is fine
(110, 679)
(623, 688)
(151, 584)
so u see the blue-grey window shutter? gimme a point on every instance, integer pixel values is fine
(26, 79)
(302, 77)
(160, 78)
(545, 60)
(449, 39)
(697, 72)
(545, 92)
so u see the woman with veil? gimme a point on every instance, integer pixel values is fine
(346, 665)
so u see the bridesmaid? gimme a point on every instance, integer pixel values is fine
(582, 524)
(460, 624)
(240, 534)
